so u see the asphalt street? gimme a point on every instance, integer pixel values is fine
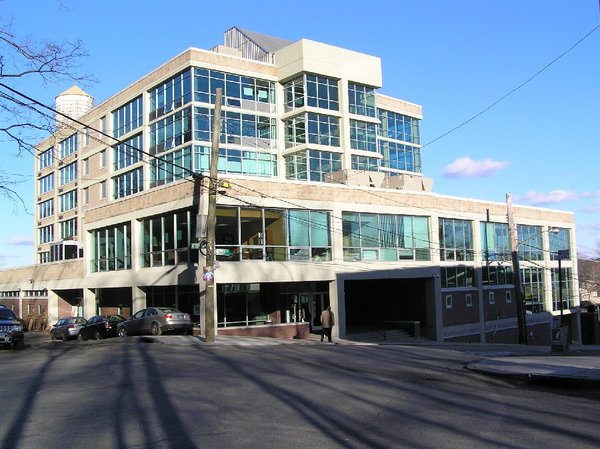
(181, 393)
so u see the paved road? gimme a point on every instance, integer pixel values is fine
(133, 394)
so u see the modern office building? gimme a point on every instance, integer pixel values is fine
(325, 203)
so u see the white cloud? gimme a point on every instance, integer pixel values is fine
(553, 197)
(465, 167)
(21, 241)
(593, 208)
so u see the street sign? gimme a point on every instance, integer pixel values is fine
(563, 254)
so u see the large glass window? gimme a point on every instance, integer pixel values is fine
(272, 234)
(495, 242)
(238, 91)
(46, 183)
(237, 161)
(128, 183)
(128, 117)
(456, 239)
(128, 152)
(361, 99)
(457, 276)
(312, 90)
(68, 228)
(68, 201)
(532, 282)
(46, 158)
(171, 131)
(313, 128)
(166, 239)
(46, 208)
(560, 245)
(171, 166)
(46, 234)
(111, 248)
(171, 95)
(398, 126)
(68, 173)
(398, 156)
(385, 237)
(497, 275)
(563, 282)
(250, 130)
(67, 146)
(364, 163)
(311, 164)
(529, 242)
(363, 136)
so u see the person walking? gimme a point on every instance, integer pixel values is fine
(327, 321)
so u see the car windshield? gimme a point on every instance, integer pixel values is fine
(7, 314)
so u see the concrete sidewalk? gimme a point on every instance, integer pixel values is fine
(578, 363)
(550, 367)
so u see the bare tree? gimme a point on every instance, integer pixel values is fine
(589, 278)
(23, 61)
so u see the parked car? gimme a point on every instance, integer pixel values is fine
(11, 330)
(67, 328)
(155, 321)
(100, 326)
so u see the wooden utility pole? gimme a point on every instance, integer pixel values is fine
(512, 232)
(210, 294)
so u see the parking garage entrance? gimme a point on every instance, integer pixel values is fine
(374, 305)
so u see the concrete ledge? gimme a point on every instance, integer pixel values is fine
(290, 330)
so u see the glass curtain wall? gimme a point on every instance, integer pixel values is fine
(111, 248)
(166, 239)
(456, 239)
(495, 242)
(383, 237)
(272, 235)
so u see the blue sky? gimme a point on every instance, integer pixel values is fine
(453, 57)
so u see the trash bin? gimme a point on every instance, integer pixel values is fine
(560, 339)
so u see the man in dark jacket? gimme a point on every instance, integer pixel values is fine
(327, 321)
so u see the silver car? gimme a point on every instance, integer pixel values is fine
(67, 328)
(155, 321)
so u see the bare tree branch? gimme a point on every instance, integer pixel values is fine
(22, 123)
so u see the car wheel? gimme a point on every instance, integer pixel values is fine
(97, 335)
(155, 329)
(64, 337)
(80, 337)
(122, 332)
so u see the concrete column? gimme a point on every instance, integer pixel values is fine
(89, 302)
(138, 299)
(52, 307)
(338, 307)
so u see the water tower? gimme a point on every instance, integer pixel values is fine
(74, 103)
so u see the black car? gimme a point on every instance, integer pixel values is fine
(11, 331)
(100, 326)
(155, 321)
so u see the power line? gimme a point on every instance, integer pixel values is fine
(512, 91)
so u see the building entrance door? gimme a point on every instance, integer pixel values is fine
(318, 302)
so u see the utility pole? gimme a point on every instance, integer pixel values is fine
(512, 232)
(210, 294)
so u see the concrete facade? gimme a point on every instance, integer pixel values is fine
(409, 285)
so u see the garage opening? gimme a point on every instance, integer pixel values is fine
(374, 305)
